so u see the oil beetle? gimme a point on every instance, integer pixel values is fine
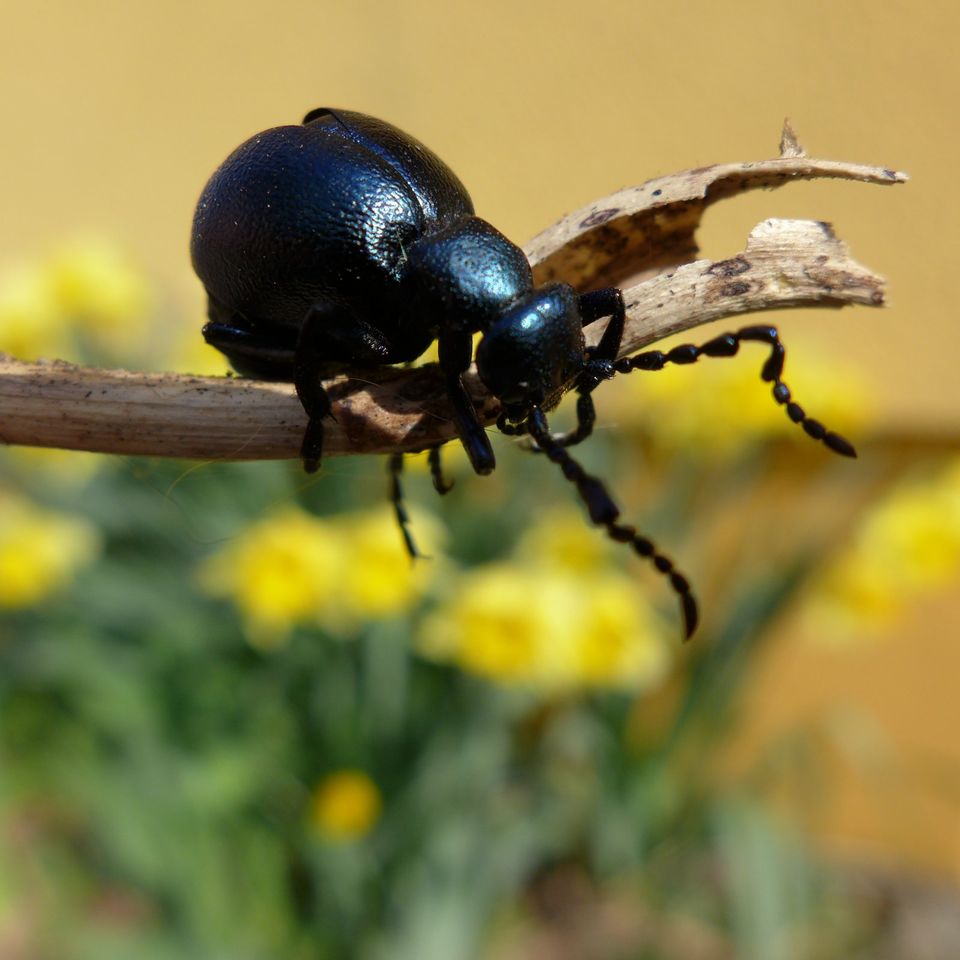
(344, 239)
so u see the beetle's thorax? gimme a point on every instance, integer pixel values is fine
(466, 275)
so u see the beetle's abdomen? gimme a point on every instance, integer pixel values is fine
(297, 216)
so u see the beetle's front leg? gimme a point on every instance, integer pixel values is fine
(607, 302)
(456, 350)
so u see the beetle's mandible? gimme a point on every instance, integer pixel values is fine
(345, 240)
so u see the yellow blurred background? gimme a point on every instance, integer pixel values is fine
(114, 114)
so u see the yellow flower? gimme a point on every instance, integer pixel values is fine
(547, 628)
(32, 325)
(280, 572)
(377, 577)
(490, 625)
(39, 551)
(95, 284)
(915, 531)
(908, 542)
(292, 568)
(563, 537)
(86, 288)
(345, 805)
(618, 644)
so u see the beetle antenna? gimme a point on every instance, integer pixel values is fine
(604, 513)
(726, 345)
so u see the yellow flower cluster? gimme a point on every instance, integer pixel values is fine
(345, 805)
(556, 617)
(293, 568)
(908, 542)
(39, 550)
(86, 294)
(718, 406)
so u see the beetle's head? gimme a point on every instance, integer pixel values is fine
(534, 350)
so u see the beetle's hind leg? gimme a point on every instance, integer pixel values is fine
(726, 345)
(604, 513)
(440, 482)
(395, 469)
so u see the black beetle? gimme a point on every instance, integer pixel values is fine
(344, 239)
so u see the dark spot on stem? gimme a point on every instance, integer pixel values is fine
(730, 268)
(599, 216)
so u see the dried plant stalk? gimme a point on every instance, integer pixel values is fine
(645, 232)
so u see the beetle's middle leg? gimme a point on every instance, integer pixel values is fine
(440, 484)
(330, 333)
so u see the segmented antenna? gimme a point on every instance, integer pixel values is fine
(605, 513)
(727, 345)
